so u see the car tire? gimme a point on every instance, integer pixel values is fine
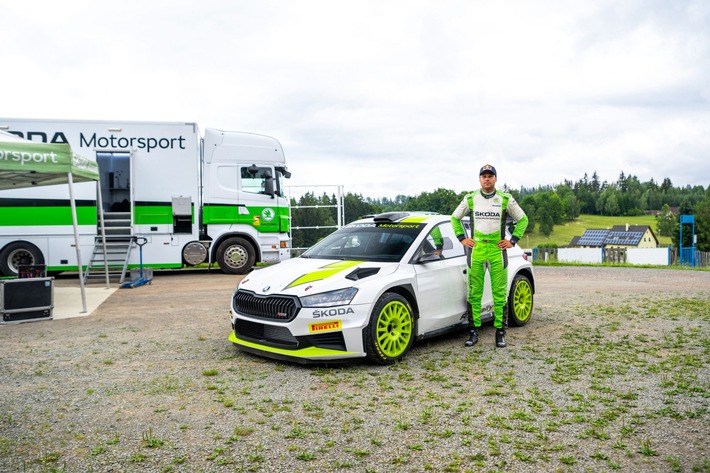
(19, 253)
(390, 333)
(236, 256)
(520, 301)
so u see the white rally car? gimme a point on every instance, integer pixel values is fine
(369, 289)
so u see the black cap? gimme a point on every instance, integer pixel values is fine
(488, 168)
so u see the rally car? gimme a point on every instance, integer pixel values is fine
(369, 290)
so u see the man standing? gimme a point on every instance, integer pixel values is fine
(489, 210)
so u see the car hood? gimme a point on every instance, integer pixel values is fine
(306, 276)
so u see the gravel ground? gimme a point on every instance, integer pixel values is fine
(610, 375)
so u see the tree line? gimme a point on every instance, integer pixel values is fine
(545, 206)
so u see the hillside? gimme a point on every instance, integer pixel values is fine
(562, 234)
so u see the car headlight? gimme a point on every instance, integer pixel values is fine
(330, 299)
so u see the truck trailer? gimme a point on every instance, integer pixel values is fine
(189, 199)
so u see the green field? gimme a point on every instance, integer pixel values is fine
(562, 234)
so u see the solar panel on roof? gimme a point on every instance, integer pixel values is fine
(624, 238)
(593, 238)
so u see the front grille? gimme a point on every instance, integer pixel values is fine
(279, 336)
(278, 308)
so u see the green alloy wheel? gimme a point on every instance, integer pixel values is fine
(390, 334)
(520, 301)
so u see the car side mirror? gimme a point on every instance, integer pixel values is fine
(428, 257)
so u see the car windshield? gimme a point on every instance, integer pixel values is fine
(382, 242)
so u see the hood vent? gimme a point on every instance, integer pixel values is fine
(362, 273)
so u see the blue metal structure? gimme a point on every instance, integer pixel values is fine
(687, 255)
(141, 279)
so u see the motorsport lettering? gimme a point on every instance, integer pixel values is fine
(397, 225)
(123, 142)
(110, 141)
(26, 157)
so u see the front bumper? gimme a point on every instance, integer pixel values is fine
(300, 355)
(313, 335)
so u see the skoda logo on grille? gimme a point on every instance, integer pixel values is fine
(266, 289)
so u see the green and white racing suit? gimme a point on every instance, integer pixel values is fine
(489, 214)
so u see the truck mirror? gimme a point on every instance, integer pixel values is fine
(284, 172)
(269, 184)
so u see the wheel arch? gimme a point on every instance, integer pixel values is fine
(406, 291)
(527, 272)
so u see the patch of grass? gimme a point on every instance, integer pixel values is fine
(97, 450)
(150, 440)
(674, 463)
(646, 448)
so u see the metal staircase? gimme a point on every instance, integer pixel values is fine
(119, 239)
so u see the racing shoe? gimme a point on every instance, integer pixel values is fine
(500, 338)
(472, 338)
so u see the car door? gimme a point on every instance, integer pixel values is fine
(441, 280)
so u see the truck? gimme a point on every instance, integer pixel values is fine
(181, 198)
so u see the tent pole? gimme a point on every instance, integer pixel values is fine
(100, 205)
(76, 239)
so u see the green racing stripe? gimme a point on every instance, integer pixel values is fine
(416, 219)
(323, 273)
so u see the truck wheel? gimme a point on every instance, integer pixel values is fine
(390, 333)
(235, 256)
(520, 301)
(19, 253)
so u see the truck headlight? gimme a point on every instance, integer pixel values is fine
(330, 299)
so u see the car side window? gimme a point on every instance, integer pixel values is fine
(441, 241)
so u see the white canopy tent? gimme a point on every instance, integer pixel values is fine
(26, 163)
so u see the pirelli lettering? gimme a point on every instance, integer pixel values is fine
(325, 326)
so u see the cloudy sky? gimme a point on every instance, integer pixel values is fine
(388, 97)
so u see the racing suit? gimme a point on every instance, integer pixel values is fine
(489, 214)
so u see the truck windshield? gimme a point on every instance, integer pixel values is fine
(254, 179)
(381, 242)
